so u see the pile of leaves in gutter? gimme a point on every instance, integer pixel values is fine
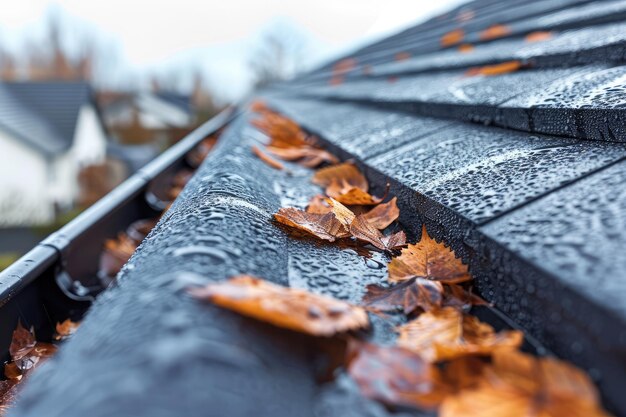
(27, 354)
(444, 360)
(117, 251)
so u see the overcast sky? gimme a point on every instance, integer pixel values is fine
(156, 34)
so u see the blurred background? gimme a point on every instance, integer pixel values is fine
(91, 91)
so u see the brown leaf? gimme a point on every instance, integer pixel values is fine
(402, 56)
(345, 173)
(307, 156)
(116, 253)
(495, 69)
(318, 204)
(282, 132)
(448, 333)
(463, 373)
(383, 215)
(459, 297)
(65, 329)
(341, 212)
(465, 48)
(452, 38)
(408, 295)
(494, 32)
(428, 259)
(22, 343)
(324, 226)
(361, 229)
(266, 158)
(396, 376)
(289, 308)
(516, 384)
(538, 36)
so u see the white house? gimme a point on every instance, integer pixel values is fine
(48, 131)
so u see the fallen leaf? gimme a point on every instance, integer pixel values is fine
(449, 333)
(344, 65)
(266, 158)
(459, 297)
(538, 36)
(259, 106)
(345, 172)
(453, 37)
(22, 343)
(65, 329)
(408, 296)
(335, 80)
(463, 373)
(517, 384)
(495, 69)
(289, 308)
(307, 156)
(395, 376)
(383, 215)
(282, 132)
(361, 229)
(341, 212)
(402, 56)
(494, 32)
(318, 204)
(428, 259)
(116, 253)
(324, 226)
(465, 48)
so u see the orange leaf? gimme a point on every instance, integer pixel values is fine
(459, 297)
(448, 333)
(494, 32)
(318, 204)
(516, 384)
(266, 158)
(408, 295)
(346, 173)
(538, 36)
(305, 155)
(428, 259)
(344, 65)
(453, 37)
(341, 212)
(402, 56)
(465, 48)
(22, 343)
(396, 376)
(65, 329)
(289, 308)
(496, 69)
(324, 226)
(361, 229)
(383, 215)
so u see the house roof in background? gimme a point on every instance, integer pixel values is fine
(43, 114)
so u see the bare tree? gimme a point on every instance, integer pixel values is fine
(278, 57)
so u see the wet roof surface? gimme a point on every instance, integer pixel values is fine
(523, 174)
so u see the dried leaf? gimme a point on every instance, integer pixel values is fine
(463, 373)
(383, 215)
(496, 69)
(538, 36)
(307, 156)
(22, 343)
(266, 158)
(408, 295)
(459, 297)
(494, 32)
(345, 172)
(453, 37)
(65, 329)
(318, 204)
(402, 56)
(361, 229)
(396, 376)
(465, 48)
(116, 253)
(516, 384)
(289, 308)
(351, 196)
(448, 333)
(428, 259)
(341, 212)
(324, 226)
(344, 65)
(282, 132)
